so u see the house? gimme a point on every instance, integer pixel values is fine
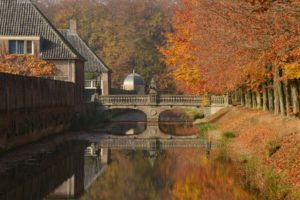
(25, 30)
(97, 74)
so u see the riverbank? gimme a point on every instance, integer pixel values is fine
(268, 146)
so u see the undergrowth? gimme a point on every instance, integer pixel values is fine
(273, 147)
(229, 135)
(265, 182)
(203, 129)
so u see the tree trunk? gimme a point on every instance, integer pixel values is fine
(254, 103)
(280, 91)
(249, 99)
(287, 95)
(258, 100)
(276, 98)
(246, 99)
(265, 98)
(242, 97)
(271, 99)
(281, 99)
(294, 97)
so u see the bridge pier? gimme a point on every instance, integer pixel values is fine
(153, 131)
(152, 113)
(104, 156)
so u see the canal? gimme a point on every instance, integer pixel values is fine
(78, 166)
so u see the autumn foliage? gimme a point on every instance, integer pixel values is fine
(179, 174)
(124, 33)
(26, 65)
(246, 46)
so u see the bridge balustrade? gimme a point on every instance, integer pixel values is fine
(124, 100)
(162, 100)
(114, 100)
(179, 100)
(219, 100)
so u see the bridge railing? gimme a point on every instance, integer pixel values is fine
(179, 100)
(219, 100)
(124, 100)
(113, 100)
(162, 100)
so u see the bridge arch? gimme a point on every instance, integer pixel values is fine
(152, 113)
(181, 114)
(118, 114)
(154, 105)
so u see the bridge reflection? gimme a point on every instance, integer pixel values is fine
(63, 167)
(148, 130)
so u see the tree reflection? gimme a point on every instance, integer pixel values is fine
(173, 174)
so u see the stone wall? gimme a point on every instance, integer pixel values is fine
(32, 108)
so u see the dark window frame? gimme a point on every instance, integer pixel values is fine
(21, 47)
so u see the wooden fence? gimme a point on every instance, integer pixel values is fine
(21, 92)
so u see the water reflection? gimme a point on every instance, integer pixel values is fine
(62, 168)
(124, 128)
(170, 174)
(35, 171)
(178, 129)
(136, 128)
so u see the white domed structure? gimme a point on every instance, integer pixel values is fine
(134, 82)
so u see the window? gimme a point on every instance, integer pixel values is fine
(20, 47)
(12, 46)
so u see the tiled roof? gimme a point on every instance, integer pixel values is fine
(93, 62)
(23, 18)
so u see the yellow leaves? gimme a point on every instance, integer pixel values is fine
(27, 65)
(292, 70)
(179, 53)
(187, 189)
(190, 76)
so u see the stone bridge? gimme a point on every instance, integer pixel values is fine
(154, 105)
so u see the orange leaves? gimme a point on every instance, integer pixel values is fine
(196, 177)
(220, 46)
(179, 52)
(27, 65)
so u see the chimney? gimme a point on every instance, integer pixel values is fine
(73, 26)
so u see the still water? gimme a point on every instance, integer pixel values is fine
(75, 166)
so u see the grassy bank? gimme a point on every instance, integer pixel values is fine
(267, 146)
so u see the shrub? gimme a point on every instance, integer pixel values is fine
(272, 147)
(229, 135)
(275, 188)
(204, 128)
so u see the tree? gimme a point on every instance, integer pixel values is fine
(26, 65)
(124, 33)
(237, 46)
